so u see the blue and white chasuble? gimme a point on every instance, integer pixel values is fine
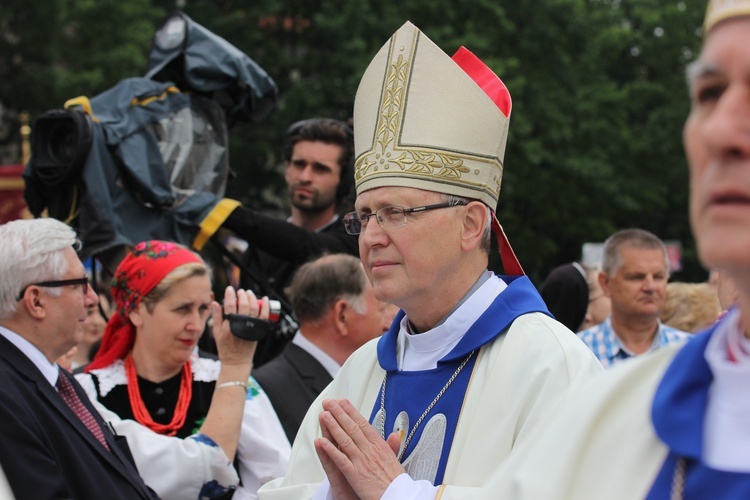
(428, 449)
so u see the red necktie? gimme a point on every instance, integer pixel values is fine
(65, 388)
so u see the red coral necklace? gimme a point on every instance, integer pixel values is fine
(140, 412)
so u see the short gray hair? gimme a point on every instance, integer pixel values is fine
(486, 243)
(318, 284)
(31, 251)
(634, 238)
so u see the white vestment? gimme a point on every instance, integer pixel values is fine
(520, 380)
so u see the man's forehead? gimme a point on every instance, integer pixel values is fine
(726, 34)
(393, 195)
(75, 265)
(720, 11)
(638, 248)
(723, 51)
(329, 157)
(631, 254)
(331, 147)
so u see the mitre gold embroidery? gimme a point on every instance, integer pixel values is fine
(386, 155)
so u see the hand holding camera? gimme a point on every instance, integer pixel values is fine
(238, 324)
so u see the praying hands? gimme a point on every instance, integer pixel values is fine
(357, 461)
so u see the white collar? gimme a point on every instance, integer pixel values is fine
(726, 436)
(423, 351)
(316, 352)
(50, 371)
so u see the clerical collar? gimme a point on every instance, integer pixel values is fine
(423, 351)
(482, 279)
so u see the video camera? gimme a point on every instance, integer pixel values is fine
(148, 158)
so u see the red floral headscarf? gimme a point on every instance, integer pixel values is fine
(138, 274)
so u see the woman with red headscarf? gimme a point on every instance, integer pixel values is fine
(149, 370)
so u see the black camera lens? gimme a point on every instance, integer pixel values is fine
(61, 142)
(61, 145)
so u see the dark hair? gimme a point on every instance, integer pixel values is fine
(565, 290)
(318, 284)
(329, 131)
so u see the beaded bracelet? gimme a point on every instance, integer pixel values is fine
(233, 383)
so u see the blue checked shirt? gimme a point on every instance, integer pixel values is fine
(605, 344)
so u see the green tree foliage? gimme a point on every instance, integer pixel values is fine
(53, 51)
(598, 91)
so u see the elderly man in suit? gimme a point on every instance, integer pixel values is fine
(338, 313)
(53, 444)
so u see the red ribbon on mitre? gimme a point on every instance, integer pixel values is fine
(496, 90)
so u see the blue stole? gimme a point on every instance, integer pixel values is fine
(412, 392)
(678, 414)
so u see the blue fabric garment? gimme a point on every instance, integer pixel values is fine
(678, 414)
(412, 392)
(604, 343)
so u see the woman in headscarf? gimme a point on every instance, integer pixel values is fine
(149, 370)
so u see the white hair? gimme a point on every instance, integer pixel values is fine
(31, 251)
(357, 302)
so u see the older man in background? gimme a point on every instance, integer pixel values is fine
(634, 275)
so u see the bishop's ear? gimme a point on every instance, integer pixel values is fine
(476, 218)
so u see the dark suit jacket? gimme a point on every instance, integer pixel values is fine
(292, 381)
(46, 452)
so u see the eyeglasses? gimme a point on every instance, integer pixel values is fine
(84, 282)
(389, 217)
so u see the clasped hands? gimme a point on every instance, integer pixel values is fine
(358, 462)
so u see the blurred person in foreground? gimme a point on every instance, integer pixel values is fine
(673, 424)
(634, 275)
(53, 444)
(148, 370)
(338, 313)
(726, 290)
(401, 416)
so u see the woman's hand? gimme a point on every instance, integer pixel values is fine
(233, 350)
(224, 419)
